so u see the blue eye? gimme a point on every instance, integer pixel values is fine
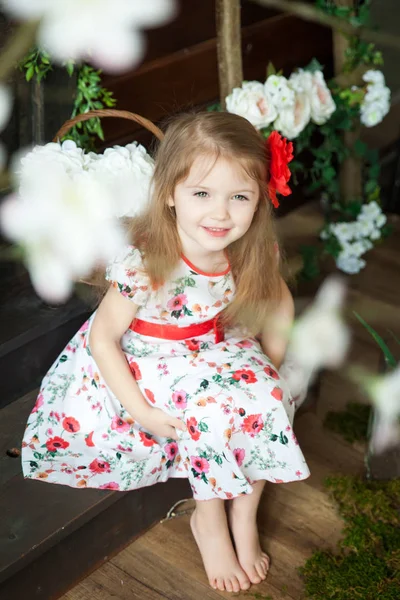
(240, 197)
(201, 194)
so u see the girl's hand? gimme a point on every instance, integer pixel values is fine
(159, 423)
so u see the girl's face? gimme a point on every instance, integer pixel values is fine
(214, 205)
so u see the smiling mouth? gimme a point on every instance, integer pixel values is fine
(217, 228)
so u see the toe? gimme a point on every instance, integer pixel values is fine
(244, 582)
(235, 584)
(260, 568)
(253, 575)
(228, 585)
(220, 584)
(213, 583)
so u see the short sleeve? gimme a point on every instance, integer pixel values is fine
(127, 274)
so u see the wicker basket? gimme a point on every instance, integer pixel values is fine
(122, 114)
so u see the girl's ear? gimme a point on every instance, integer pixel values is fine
(170, 201)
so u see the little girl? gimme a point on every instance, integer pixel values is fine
(167, 379)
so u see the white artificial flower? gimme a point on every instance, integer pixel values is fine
(375, 234)
(279, 90)
(63, 218)
(377, 93)
(371, 114)
(374, 76)
(322, 104)
(385, 396)
(127, 171)
(371, 209)
(356, 249)
(301, 81)
(343, 231)
(252, 102)
(366, 225)
(293, 119)
(324, 235)
(349, 264)
(320, 338)
(5, 105)
(381, 220)
(103, 32)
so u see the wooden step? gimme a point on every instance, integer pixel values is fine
(51, 535)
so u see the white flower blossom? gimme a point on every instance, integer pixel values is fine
(293, 119)
(320, 338)
(104, 32)
(63, 218)
(279, 90)
(376, 102)
(252, 102)
(381, 220)
(5, 105)
(375, 234)
(374, 76)
(385, 396)
(127, 171)
(322, 103)
(301, 81)
(349, 264)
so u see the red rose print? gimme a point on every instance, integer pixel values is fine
(149, 395)
(277, 393)
(271, 372)
(89, 440)
(192, 345)
(70, 424)
(192, 428)
(252, 424)
(171, 450)
(244, 375)
(99, 466)
(242, 412)
(110, 486)
(56, 443)
(39, 403)
(239, 455)
(147, 439)
(180, 399)
(201, 465)
(119, 424)
(177, 302)
(134, 367)
(244, 344)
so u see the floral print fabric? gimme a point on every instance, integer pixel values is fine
(237, 409)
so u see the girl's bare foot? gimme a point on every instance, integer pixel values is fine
(252, 559)
(210, 530)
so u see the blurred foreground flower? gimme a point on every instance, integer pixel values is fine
(104, 32)
(63, 218)
(384, 393)
(319, 339)
(5, 112)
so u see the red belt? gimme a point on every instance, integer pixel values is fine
(173, 332)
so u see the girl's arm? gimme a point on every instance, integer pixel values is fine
(113, 318)
(274, 337)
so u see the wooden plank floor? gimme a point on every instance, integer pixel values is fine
(295, 519)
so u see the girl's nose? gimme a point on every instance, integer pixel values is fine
(220, 210)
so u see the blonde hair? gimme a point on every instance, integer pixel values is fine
(253, 258)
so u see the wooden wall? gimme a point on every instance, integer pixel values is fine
(179, 70)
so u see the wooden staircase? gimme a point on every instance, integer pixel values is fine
(51, 536)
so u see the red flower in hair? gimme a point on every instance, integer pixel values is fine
(281, 152)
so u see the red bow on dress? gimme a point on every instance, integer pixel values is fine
(281, 153)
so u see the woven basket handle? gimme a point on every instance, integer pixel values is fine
(122, 114)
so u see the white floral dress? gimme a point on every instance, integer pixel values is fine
(238, 411)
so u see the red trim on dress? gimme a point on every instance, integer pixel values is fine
(200, 272)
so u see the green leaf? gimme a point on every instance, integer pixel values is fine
(387, 354)
(30, 72)
(63, 358)
(203, 426)
(270, 69)
(273, 437)
(119, 455)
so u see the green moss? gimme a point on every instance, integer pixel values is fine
(351, 423)
(366, 565)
